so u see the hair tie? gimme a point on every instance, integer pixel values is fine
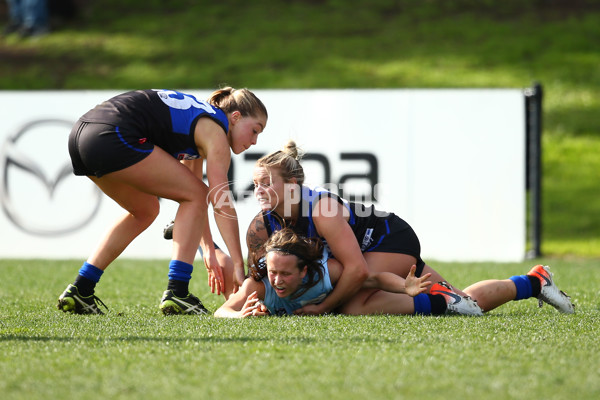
(286, 252)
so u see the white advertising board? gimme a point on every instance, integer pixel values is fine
(449, 162)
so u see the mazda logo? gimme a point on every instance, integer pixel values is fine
(38, 190)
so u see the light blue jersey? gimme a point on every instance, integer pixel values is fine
(286, 305)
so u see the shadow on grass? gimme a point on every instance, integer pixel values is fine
(149, 339)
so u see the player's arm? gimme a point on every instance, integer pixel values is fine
(216, 280)
(245, 302)
(212, 144)
(256, 236)
(328, 216)
(390, 282)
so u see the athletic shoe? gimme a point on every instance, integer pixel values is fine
(550, 293)
(72, 301)
(168, 231)
(171, 304)
(455, 303)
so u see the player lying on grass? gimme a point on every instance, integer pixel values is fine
(362, 239)
(358, 235)
(299, 273)
(387, 243)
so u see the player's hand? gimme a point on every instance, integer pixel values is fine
(216, 281)
(253, 307)
(415, 286)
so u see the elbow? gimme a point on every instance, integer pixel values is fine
(226, 313)
(363, 273)
(221, 313)
(370, 282)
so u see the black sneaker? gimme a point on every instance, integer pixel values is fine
(171, 304)
(72, 301)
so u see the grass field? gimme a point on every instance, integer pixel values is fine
(515, 352)
(518, 351)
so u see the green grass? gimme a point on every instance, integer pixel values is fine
(517, 351)
(571, 231)
(338, 44)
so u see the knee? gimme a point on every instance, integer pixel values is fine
(147, 214)
(196, 195)
(153, 212)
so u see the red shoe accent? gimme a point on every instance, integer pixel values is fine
(444, 289)
(540, 272)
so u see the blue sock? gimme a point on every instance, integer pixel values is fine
(87, 278)
(90, 272)
(180, 274)
(524, 288)
(422, 304)
(180, 271)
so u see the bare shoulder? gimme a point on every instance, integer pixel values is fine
(209, 125)
(249, 286)
(211, 139)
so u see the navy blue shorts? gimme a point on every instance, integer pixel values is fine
(98, 149)
(401, 239)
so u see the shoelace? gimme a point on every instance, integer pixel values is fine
(97, 300)
(198, 306)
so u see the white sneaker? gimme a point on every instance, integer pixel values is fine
(455, 303)
(550, 293)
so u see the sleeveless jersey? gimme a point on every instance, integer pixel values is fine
(286, 305)
(370, 226)
(166, 118)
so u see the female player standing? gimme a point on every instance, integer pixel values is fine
(132, 147)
